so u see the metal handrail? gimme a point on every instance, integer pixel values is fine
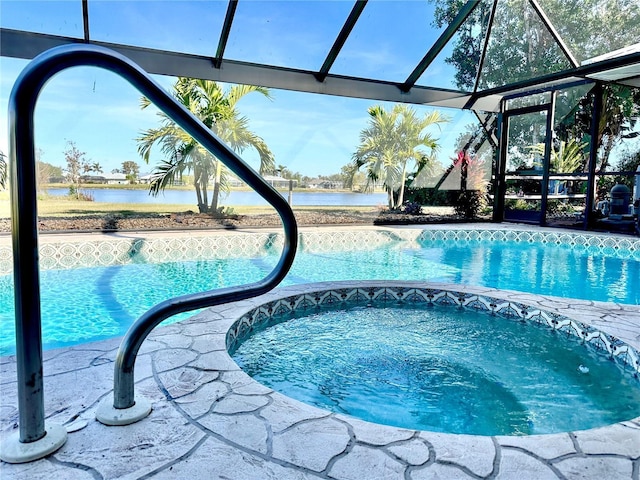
(25, 233)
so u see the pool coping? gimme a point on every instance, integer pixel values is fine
(211, 420)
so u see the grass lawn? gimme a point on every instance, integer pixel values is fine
(68, 207)
(54, 206)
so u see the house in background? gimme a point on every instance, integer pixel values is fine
(107, 178)
(325, 184)
(144, 178)
(277, 182)
(116, 179)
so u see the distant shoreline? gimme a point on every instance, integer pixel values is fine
(142, 186)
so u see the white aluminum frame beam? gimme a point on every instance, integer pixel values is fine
(27, 45)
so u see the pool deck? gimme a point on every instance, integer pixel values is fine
(211, 420)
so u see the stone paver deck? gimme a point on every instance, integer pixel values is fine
(211, 420)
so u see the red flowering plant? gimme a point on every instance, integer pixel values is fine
(473, 184)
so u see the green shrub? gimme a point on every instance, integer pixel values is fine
(412, 208)
(520, 204)
(468, 204)
(430, 196)
(558, 207)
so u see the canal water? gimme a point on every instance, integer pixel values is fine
(188, 197)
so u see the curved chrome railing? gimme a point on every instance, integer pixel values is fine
(25, 235)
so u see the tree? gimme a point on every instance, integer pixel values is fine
(467, 45)
(620, 114)
(77, 166)
(131, 170)
(618, 121)
(45, 171)
(351, 177)
(283, 171)
(217, 108)
(567, 158)
(390, 142)
(629, 162)
(595, 27)
(521, 48)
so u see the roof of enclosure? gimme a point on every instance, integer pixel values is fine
(439, 52)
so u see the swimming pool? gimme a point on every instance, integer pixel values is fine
(426, 359)
(94, 289)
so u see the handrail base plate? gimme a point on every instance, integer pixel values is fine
(14, 451)
(107, 414)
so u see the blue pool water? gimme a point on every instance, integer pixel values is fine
(86, 304)
(441, 369)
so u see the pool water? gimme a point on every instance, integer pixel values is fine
(441, 369)
(87, 304)
(563, 270)
(535, 268)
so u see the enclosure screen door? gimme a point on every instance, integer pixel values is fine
(526, 164)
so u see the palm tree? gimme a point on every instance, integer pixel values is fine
(391, 140)
(568, 158)
(217, 109)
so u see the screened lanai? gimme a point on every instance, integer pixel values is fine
(538, 101)
(552, 87)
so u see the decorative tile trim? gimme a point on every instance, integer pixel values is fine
(146, 250)
(625, 355)
(6, 260)
(594, 243)
(346, 240)
(216, 246)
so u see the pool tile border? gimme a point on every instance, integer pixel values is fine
(181, 246)
(602, 244)
(139, 249)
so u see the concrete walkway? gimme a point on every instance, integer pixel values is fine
(210, 420)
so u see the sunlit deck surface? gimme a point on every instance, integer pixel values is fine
(211, 420)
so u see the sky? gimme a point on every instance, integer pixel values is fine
(308, 133)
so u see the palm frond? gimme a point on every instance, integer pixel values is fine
(567, 159)
(144, 103)
(164, 174)
(391, 140)
(216, 108)
(236, 92)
